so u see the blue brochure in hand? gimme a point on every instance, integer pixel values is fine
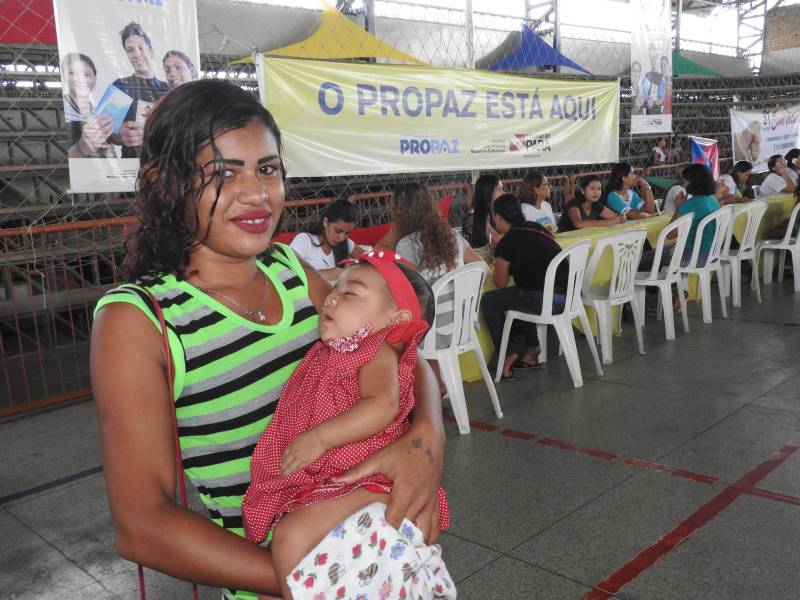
(115, 104)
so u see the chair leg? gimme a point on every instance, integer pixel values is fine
(726, 277)
(604, 331)
(501, 352)
(637, 322)
(541, 331)
(796, 269)
(682, 300)
(665, 304)
(781, 264)
(754, 281)
(736, 282)
(768, 260)
(487, 378)
(722, 293)
(705, 291)
(640, 292)
(451, 375)
(584, 319)
(566, 338)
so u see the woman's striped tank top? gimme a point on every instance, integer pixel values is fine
(229, 374)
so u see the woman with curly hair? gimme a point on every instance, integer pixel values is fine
(210, 191)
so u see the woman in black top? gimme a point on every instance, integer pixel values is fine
(477, 226)
(524, 252)
(586, 210)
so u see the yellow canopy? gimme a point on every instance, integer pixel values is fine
(339, 38)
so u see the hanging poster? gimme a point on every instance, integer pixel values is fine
(356, 118)
(117, 59)
(651, 66)
(758, 134)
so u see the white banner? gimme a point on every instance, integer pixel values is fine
(757, 135)
(117, 59)
(352, 118)
(651, 66)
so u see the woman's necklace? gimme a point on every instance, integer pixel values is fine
(259, 313)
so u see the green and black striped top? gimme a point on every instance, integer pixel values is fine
(229, 374)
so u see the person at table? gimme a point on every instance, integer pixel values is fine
(778, 232)
(623, 199)
(326, 244)
(241, 313)
(779, 179)
(533, 194)
(792, 159)
(586, 210)
(738, 182)
(477, 227)
(701, 202)
(524, 253)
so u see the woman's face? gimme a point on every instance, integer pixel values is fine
(498, 190)
(335, 232)
(500, 224)
(80, 79)
(629, 179)
(593, 191)
(636, 74)
(743, 176)
(359, 298)
(177, 71)
(543, 190)
(251, 197)
(139, 55)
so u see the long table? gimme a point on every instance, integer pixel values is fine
(779, 208)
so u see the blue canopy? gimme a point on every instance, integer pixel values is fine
(533, 51)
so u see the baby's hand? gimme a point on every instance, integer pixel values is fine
(303, 450)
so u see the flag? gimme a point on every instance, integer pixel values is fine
(705, 152)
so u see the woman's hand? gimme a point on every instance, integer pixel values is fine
(131, 134)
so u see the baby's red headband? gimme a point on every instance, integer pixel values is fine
(386, 261)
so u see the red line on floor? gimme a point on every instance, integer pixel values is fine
(648, 557)
(598, 453)
(694, 476)
(482, 425)
(514, 433)
(773, 496)
(645, 464)
(556, 444)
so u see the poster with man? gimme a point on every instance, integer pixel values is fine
(651, 66)
(117, 59)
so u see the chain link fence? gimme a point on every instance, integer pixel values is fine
(53, 273)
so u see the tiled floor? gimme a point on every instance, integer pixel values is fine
(632, 484)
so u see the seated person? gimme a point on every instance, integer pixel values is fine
(700, 200)
(737, 181)
(586, 210)
(672, 195)
(778, 232)
(792, 159)
(533, 194)
(326, 244)
(524, 253)
(623, 200)
(779, 180)
(477, 227)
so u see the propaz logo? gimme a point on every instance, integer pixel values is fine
(429, 146)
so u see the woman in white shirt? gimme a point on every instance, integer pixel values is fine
(792, 159)
(779, 180)
(533, 194)
(737, 183)
(326, 244)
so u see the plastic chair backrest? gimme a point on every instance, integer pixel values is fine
(755, 212)
(577, 255)
(787, 237)
(719, 219)
(682, 225)
(626, 251)
(467, 283)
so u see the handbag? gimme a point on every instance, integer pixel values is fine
(178, 459)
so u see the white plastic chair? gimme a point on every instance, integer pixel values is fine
(573, 308)
(664, 278)
(732, 259)
(466, 283)
(626, 251)
(721, 219)
(787, 244)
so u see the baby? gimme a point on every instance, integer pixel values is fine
(349, 397)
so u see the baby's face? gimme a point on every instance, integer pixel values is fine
(359, 297)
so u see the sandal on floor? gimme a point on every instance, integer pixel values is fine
(522, 365)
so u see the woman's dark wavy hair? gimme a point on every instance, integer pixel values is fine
(618, 172)
(583, 184)
(701, 180)
(338, 210)
(790, 156)
(482, 205)
(178, 126)
(414, 210)
(527, 189)
(508, 207)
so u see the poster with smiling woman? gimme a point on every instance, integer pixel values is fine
(117, 59)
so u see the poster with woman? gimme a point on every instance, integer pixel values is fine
(117, 59)
(651, 66)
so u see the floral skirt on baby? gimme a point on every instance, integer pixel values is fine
(365, 558)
